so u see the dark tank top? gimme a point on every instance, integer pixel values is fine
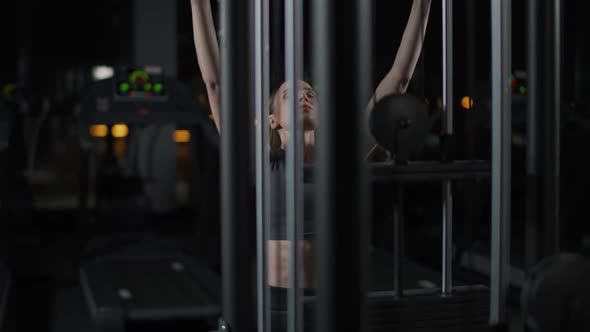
(278, 202)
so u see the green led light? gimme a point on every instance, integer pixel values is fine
(136, 74)
(124, 87)
(147, 87)
(8, 89)
(158, 87)
(522, 90)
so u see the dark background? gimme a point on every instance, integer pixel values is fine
(57, 35)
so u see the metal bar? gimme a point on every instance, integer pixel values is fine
(398, 241)
(447, 206)
(236, 111)
(532, 87)
(364, 41)
(340, 246)
(556, 231)
(447, 238)
(471, 47)
(532, 224)
(550, 128)
(262, 86)
(471, 54)
(277, 34)
(501, 145)
(447, 46)
(294, 158)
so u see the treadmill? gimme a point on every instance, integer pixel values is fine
(144, 282)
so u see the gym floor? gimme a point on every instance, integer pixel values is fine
(46, 284)
(45, 276)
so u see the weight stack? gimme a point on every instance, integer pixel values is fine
(466, 309)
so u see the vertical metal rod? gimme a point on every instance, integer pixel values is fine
(262, 86)
(340, 247)
(550, 125)
(364, 42)
(532, 87)
(471, 55)
(236, 41)
(447, 241)
(471, 47)
(557, 122)
(277, 35)
(294, 158)
(532, 231)
(447, 67)
(398, 241)
(501, 155)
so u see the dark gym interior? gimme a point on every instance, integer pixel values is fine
(124, 208)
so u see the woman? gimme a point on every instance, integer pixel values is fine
(395, 82)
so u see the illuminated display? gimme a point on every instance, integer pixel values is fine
(518, 82)
(140, 83)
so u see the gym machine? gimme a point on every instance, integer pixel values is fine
(341, 301)
(142, 281)
(5, 276)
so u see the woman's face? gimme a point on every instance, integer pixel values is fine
(307, 106)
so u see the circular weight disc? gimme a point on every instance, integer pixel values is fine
(400, 124)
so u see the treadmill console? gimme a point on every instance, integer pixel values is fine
(137, 95)
(140, 83)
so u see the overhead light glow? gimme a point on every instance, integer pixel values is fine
(467, 102)
(102, 72)
(182, 136)
(99, 130)
(119, 130)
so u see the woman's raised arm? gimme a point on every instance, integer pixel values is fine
(397, 79)
(207, 49)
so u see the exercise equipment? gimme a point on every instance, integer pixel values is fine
(400, 124)
(340, 257)
(149, 281)
(5, 126)
(143, 105)
(556, 295)
(451, 307)
(140, 281)
(5, 275)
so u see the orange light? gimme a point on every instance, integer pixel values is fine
(119, 130)
(467, 103)
(182, 136)
(99, 130)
